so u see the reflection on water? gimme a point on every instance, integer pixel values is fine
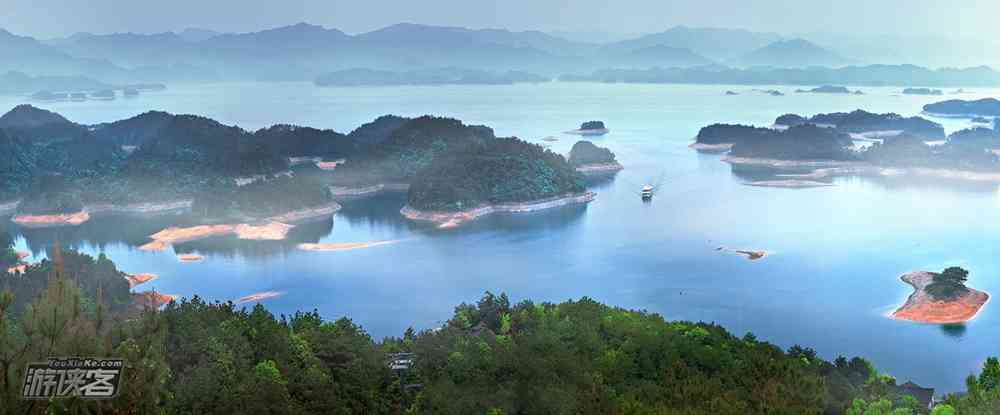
(229, 246)
(953, 330)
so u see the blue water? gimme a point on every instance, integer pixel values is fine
(836, 252)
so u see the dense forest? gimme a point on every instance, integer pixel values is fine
(157, 156)
(585, 152)
(501, 170)
(860, 121)
(825, 137)
(800, 142)
(490, 357)
(266, 197)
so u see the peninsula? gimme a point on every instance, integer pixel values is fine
(940, 298)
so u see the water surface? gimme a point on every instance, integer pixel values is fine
(836, 253)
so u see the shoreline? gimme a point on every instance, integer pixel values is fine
(600, 168)
(274, 228)
(596, 131)
(453, 219)
(922, 308)
(84, 215)
(711, 148)
(830, 168)
(370, 190)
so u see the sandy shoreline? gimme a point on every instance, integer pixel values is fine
(600, 168)
(274, 228)
(47, 221)
(138, 279)
(453, 219)
(921, 307)
(77, 218)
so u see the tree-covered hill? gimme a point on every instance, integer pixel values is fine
(585, 152)
(860, 121)
(399, 153)
(802, 142)
(501, 170)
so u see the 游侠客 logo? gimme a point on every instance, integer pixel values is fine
(87, 378)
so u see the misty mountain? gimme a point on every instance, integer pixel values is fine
(125, 49)
(791, 54)
(717, 44)
(662, 56)
(416, 35)
(28, 55)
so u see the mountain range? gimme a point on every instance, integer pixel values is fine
(303, 52)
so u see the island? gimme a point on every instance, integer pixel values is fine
(986, 107)
(829, 89)
(590, 159)
(922, 91)
(498, 175)
(864, 124)
(731, 93)
(257, 185)
(940, 298)
(802, 152)
(590, 128)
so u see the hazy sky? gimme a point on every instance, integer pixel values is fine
(51, 18)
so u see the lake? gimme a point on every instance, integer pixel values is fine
(836, 253)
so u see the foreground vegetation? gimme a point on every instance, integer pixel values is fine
(491, 357)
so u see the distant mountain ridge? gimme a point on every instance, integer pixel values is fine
(792, 53)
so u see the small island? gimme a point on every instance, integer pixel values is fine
(731, 93)
(500, 175)
(590, 159)
(941, 298)
(591, 128)
(829, 89)
(922, 91)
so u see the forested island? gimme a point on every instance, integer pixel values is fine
(829, 89)
(922, 91)
(493, 356)
(591, 128)
(438, 76)
(588, 158)
(864, 122)
(825, 145)
(61, 172)
(988, 107)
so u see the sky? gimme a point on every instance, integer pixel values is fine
(55, 18)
